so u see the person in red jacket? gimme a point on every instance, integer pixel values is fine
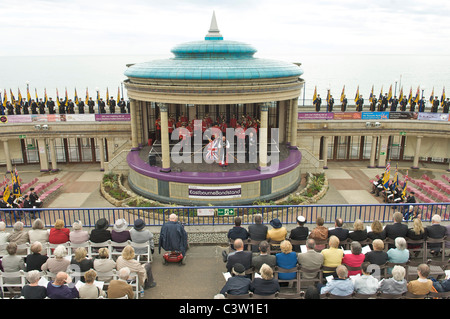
(59, 234)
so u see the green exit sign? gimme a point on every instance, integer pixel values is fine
(403, 133)
(22, 136)
(225, 212)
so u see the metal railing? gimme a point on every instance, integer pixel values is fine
(287, 214)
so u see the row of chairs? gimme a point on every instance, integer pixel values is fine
(142, 250)
(50, 192)
(377, 295)
(420, 246)
(13, 282)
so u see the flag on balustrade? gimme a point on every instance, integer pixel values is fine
(118, 94)
(5, 99)
(28, 96)
(390, 94)
(443, 96)
(87, 96)
(76, 96)
(315, 93)
(107, 96)
(371, 95)
(35, 93)
(357, 95)
(432, 96)
(343, 94)
(45, 96)
(13, 99)
(410, 96)
(381, 94)
(400, 95)
(386, 176)
(19, 97)
(328, 96)
(417, 98)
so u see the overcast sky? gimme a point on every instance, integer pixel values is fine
(99, 27)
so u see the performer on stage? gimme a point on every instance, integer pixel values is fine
(91, 105)
(80, 106)
(51, 106)
(344, 104)
(224, 145)
(317, 102)
(122, 105)
(41, 106)
(112, 105)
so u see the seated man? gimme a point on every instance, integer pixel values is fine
(435, 231)
(422, 285)
(264, 257)
(311, 259)
(34, 199)
(118, 288)
(340, 286)
(338, 231)
(257, 231)
(62, 287)
(173, 236)
(239, 256)
(238, 284)
(366, 283)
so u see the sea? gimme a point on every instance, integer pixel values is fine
(322, 72)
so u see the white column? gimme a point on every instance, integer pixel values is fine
(7, 156)
(417, 153)
(51, 145)
(134, 135)
(263, 135)
(101, 147)
(165, 139)
(43, 155)
(373, 150)
(326, 140)
(382, 155)
(294, 121)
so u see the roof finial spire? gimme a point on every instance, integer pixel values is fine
(213, 33)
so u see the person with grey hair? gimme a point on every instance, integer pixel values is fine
(119, 288)
(435, 231)
(19, 236)
(78, 235)
(3, 237)
(36, 258)
(38, 232)
(399, 254)
(340, 286)
(33, 290)
(12, 263)
(354, 259)
(57, 262)
(396, 284)
(266, 285)
(311, 259)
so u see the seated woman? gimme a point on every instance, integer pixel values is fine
(319, 234)
(57, 263)
(144, 271)
(396, 284)
(103, 264)
(33, 290)
(287, 259)
(59, 234)
(332, 256)
(266, 285)
(359, 232)
(355, 259)
(80, 262)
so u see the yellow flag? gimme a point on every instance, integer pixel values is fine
(118, 94)
(6, 193)
(357, 95)
(87, 96)
(314, 96)
(432, 95)
(107, 96)
(343, 94)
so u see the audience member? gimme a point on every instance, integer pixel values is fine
(240, 256)
(57, 262)
(238, 283)
(354, 259)
(257, 231)
(417, 232)
(338, 231)
(144, 271)
(141, 235)
(377, 231)
(80, 262)
(397, 229)
(4, 235)
(435, 231)
(377, 256)
(12, 263)
(36, 258)
(78, 235)
(100, 233)
(173, 236)
(38, 232)
(278, 232)
(366, 283)
(237, 231)
(264, 257)
(422, 285)
(311, 259)
(332, 256)
(62, 287)
(396, 284)
(340, 286)
(399, 254)
(319, 234)
(33, 290)
(442, 285)
(119, 288)
(103, 264)
(120, 233)
(266, 285)
(301, 232)
(359, 232)
(89, 290)
(59, 234)
(19, 236)
(286, 259)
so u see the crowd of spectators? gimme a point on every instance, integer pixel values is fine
(344, 271)
(61, 265)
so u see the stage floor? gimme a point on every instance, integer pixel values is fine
(204, 166)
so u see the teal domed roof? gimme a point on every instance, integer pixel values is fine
(213, 59)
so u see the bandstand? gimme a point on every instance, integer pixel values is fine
(218, 79)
